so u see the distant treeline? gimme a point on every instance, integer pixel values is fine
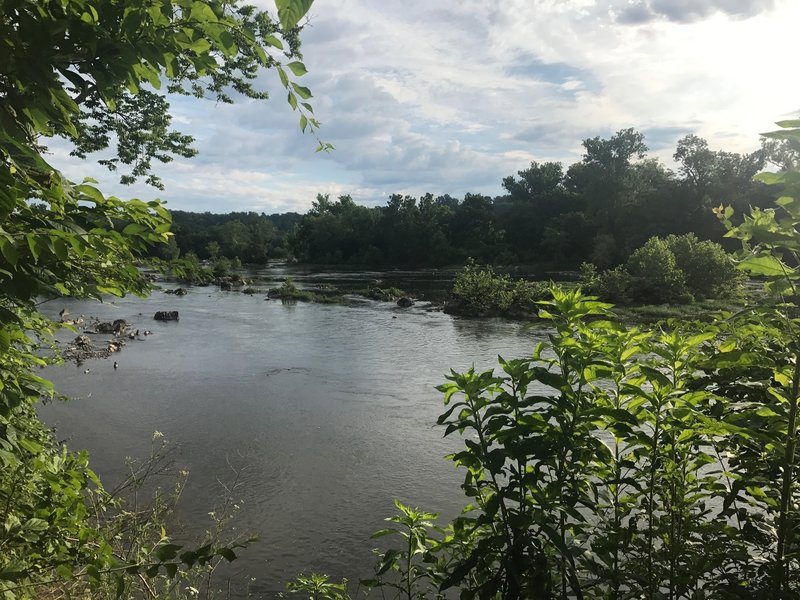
(598, 210)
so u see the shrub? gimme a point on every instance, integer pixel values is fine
(289, 289)
(677, 269)
(475, 287)
(616, 285)
(221, 267)
(656, 277)
(708, 270)
(478, 291)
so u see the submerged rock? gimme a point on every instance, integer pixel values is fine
(166, 315)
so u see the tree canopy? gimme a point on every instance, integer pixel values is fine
(599, 209)
(97, 73)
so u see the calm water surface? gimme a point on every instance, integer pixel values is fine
(328, 411)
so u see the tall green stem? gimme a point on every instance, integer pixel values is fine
(784, 525)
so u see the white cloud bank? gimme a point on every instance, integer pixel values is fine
(451, 96)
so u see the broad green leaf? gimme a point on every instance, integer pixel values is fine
(167, 552)
(33, 245)
(9, 251)
(303, 92)
(227, 554)
(273, 41)
(284, 78)
(298, 68)
(90, 192)
(765, 264)
(291, 11)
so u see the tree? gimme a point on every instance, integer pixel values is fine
(82, 70)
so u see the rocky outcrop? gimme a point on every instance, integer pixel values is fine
(83, 341)
(118, 327)
(391, 294)
(82, 349)
(166, 315)
(177, 291)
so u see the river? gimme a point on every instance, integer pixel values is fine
(328, 413)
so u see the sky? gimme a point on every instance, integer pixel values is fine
(451, 96)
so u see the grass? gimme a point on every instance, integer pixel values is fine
(703, 310)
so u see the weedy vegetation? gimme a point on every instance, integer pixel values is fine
(628, 462)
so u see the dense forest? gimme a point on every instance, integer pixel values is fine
(597, 210)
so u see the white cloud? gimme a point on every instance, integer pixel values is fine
(451, 96)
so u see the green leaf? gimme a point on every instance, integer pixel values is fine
(9, 251)
(167, 552)
(284, 77)
(171, 569)
(291, 11)
(298, 68)
(227, 554)
(60, 249)
(64, 571)
(303, 92)
(33, 246)
(90, 192)
(387, 561)
(383, 532)
(766, 264)
(273, 41)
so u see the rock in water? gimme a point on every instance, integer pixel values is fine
(104, 328)
(166, 315)
(83, 341)
(405, 302)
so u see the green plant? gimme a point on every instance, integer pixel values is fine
(656, 276)
(615, 285)
(288, 288)
(318, 587)
(676, 269)
(708, 270)
(221, 267)
(413, 580)
(478, 291)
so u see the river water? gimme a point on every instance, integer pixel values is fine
(328, 412)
